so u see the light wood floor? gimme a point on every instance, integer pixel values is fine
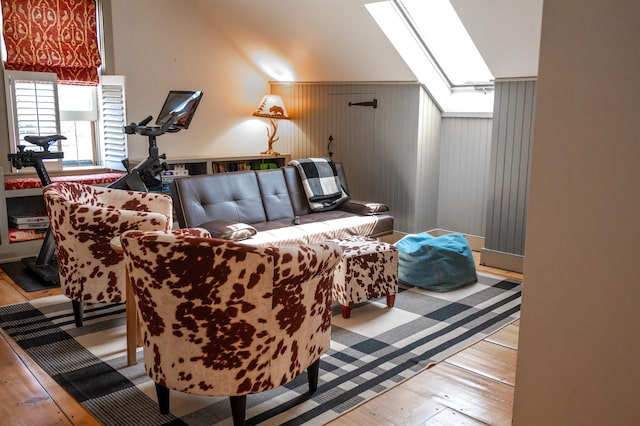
(472, 387)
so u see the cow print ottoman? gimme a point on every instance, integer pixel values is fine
(368, 270)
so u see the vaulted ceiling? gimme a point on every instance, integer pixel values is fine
(338, 40)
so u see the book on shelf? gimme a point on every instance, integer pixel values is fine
(29, 225)
(16, 235)
(238, 166)
(168, 176)
(28, 218)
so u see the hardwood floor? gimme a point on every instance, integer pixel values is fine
(472, 387)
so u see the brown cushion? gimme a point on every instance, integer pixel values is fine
(229, 229)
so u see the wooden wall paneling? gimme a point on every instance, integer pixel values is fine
(509, 167)
(389, 156)
(464, 174)
(428, 164)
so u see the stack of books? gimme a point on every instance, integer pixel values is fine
(29, 221)
(25, 227)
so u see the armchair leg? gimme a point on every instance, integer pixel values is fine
(78, 312)
(313, 371)
(238, 409)
(162, 393)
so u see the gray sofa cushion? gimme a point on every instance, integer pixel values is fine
(275, 196)
(231, 196)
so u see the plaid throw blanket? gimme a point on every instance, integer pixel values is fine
(321, 183)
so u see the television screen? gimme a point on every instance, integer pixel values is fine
(180, 104)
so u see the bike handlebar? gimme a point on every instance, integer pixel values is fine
(142, 129)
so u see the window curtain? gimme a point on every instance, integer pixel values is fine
(56, 36)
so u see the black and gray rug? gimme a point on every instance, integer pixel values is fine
(371, 352)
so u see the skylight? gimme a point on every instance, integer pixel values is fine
(437, 23)
(437, 48)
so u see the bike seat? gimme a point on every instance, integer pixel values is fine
(43, 141)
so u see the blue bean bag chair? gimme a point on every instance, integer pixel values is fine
(435, 263)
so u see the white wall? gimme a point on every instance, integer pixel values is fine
(579, 353)
(161, 45)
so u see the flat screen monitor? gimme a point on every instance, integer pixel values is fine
(182, 105)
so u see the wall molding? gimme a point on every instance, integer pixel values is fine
(512, 79)
(502, 260)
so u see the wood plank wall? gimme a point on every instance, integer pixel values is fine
(509, 170)
(464, 174)
(390, 153)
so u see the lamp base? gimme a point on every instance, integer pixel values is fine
(270, 152)
(272, 139)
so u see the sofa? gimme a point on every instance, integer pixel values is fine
(271, 207)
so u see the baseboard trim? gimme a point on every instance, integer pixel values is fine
(502, 260)
(392, 238)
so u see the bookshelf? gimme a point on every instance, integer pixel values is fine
(212, 165)
(16, 203)
(248, 163)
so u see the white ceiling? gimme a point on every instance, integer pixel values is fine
(337, 40)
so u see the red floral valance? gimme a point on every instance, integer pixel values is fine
(52, 36)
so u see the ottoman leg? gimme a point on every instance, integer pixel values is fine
(391, 299)
(346, 310)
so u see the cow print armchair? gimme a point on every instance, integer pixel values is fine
(224, 319)
(84, 219)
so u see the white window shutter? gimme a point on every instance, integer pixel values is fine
(113, 139)
(32, 106)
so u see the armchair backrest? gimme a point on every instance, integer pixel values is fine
(221, 318)
(84, 219)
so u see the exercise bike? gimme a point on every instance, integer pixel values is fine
(41, 265)
(139, 178)
(176, 114)
(145, 175)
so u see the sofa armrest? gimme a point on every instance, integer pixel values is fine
(228, 229)
(363, 207)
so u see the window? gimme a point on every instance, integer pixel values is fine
(78, 119)
(32, 104)
(437, 48)
(436, 23)
(39, 104)
(92, 118)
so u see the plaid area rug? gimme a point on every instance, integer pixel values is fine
(374, 350)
